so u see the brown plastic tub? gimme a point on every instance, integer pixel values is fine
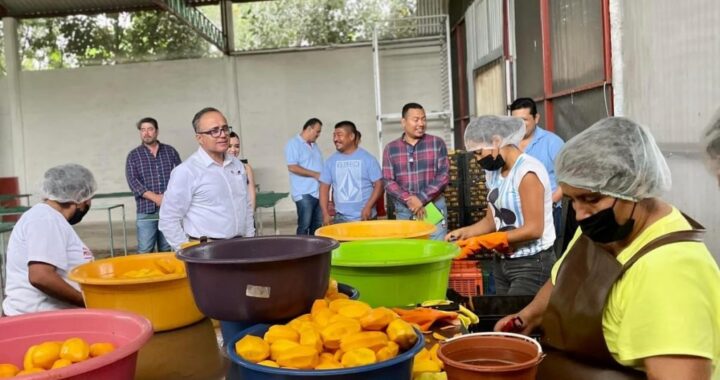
(491, 356)
(261, 279)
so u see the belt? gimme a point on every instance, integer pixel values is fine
(502, 256)
(205, 239)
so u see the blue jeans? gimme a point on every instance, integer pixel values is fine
(309, 215)
(149, 236)
(524, 275)
(404, 213)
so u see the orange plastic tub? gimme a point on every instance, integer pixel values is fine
(377, 229)
(491, 356)
(152, 285)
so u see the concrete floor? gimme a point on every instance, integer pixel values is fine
(96, 234)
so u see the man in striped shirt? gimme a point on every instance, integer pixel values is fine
(415, 170)
(147, 171)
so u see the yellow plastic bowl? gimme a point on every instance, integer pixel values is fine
(166, 300)
(377, 229)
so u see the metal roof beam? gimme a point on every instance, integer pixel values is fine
(197, 21)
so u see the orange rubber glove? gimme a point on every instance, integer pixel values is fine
(496, 240)
(424, 317)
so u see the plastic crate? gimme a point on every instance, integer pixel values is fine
(472, 215)
(453, 195)
(466, 278)
(454, 218)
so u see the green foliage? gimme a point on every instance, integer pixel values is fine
(141, 36)
(106, 39)
(292, 23)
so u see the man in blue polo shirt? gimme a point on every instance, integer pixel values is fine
(354, 175)
(543, 145)
(304, 161)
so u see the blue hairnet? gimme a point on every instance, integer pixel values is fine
(493, 132)
(68, 183)
(617, 157)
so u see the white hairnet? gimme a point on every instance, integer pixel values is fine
(491, 131)
(617, 157)
(711, 141)
(68, 183)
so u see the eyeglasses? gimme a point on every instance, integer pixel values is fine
(215, 132)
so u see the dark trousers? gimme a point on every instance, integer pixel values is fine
(524, 275)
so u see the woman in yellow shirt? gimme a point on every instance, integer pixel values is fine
(637, 293)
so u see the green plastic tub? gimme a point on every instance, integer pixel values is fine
(394, 272)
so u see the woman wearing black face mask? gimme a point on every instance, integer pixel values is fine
(43, 246)
(637, 293)
(519, 222)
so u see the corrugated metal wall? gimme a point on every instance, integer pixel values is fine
(432, 7)
(484, 39)
(669, 66)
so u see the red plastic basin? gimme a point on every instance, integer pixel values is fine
(128, 332)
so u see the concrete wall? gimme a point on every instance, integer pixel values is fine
(279, 92)
(411, 72)
(88, 115)
(670, 81)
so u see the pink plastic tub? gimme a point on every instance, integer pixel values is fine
(128, 332)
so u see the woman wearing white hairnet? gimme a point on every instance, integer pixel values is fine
(637, 293)
(519, 219)
(44, 247)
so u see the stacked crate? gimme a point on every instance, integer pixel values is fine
(466, 193)
(466, 278)
(454, 193)
(466, 196)
(475, 192)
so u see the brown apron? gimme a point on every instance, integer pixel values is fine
(572, 324)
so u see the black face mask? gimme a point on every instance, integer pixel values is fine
(602, 227)
(78, 215)
(490, 163)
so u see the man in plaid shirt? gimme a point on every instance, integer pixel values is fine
(415, 170)
(147, 170)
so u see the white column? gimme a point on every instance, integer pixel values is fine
(618, 65)
(232, 97)
(12, 66)
(228, 24)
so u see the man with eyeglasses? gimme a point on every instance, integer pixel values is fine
(416, 170)
(207, 194)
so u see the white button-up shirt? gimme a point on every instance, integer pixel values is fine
(204, 198)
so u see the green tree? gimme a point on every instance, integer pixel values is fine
(293, 23)
(153, 35)
(161, 35)
(107, 39)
